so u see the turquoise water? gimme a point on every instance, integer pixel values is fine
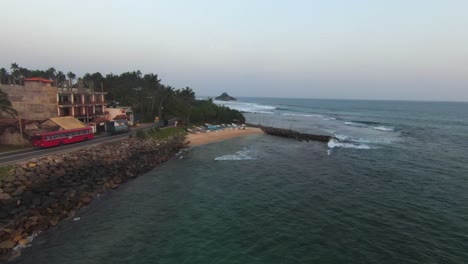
(392, 190)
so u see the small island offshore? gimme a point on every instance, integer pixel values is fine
(225, 97)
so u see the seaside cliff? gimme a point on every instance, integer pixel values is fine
(41, 192)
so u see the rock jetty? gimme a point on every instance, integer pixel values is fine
(41, 192)
(288, 133)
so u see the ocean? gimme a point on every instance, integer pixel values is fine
(393, 189)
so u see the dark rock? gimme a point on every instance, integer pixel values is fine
(295, 135)
(9, 178)
(225, 97)
(19, 191)
(5, 196)
(9, 190)
(86, 200)
(19, 171)
(21, 178)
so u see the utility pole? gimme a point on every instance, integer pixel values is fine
(21, 130)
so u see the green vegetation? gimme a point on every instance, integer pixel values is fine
(145, 93)
(140, 134)
(6, 148)
(6, 110)
(5, 171)
(165, 133)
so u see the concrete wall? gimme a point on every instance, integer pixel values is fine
(12, 136)
(33, 101)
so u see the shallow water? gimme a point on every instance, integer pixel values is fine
(263, 199)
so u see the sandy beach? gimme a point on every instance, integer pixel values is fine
(216, 136)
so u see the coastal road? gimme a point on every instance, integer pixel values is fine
(18, 156)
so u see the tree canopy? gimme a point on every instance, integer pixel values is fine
(145, 93)
(6, 110)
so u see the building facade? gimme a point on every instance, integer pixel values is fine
(35, 100)
(81, 103)
(38, 100)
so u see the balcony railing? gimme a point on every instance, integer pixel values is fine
(90, 102)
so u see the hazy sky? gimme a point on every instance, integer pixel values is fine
(374, 49)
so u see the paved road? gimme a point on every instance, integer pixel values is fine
(22, 155)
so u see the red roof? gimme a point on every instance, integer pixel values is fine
(100, 120)
(37, 79)
(121, 117)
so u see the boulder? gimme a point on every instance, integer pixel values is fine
(9, 178)
(5, 196)
(19, 171)
(8, 244)
(23, 242)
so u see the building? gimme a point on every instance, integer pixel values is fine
(112, 113)
(62, 123)
(37, 99)
(81, 103)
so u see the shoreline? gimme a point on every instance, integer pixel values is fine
(218, 136)
(38, 194)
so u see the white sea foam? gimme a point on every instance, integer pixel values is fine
(359, 140)
(336, 144)
(247, 107)
(383, 128)
(239, 155)
(302, 115)
(354, 124)
(341, 137)
(30, 239)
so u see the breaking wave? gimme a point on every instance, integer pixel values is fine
(372, 125)
(239, 155)
(337, 144)
(247, 107)
(383, 128)
(302, 115)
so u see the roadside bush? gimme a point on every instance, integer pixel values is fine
(141, 134)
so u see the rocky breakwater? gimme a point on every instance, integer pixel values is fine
(288, 133)
(41, 192)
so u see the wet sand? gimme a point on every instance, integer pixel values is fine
(216, 136)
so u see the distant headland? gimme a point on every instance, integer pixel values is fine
(225, 97)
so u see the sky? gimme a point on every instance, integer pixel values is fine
(359, 49)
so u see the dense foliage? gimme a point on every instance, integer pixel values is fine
(6, 110)
(145, 93)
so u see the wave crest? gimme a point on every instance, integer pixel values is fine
(337, 144)
(239, 155)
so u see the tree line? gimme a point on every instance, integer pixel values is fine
(145, 93)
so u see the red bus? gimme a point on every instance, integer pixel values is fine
(59, 138)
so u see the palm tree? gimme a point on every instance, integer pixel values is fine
(60, 79)
(154, 84)
(50, 73)
(87, 79)
(6, 110)
(23, 73)
(3, 75)
(71, 76)
(14, 72)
